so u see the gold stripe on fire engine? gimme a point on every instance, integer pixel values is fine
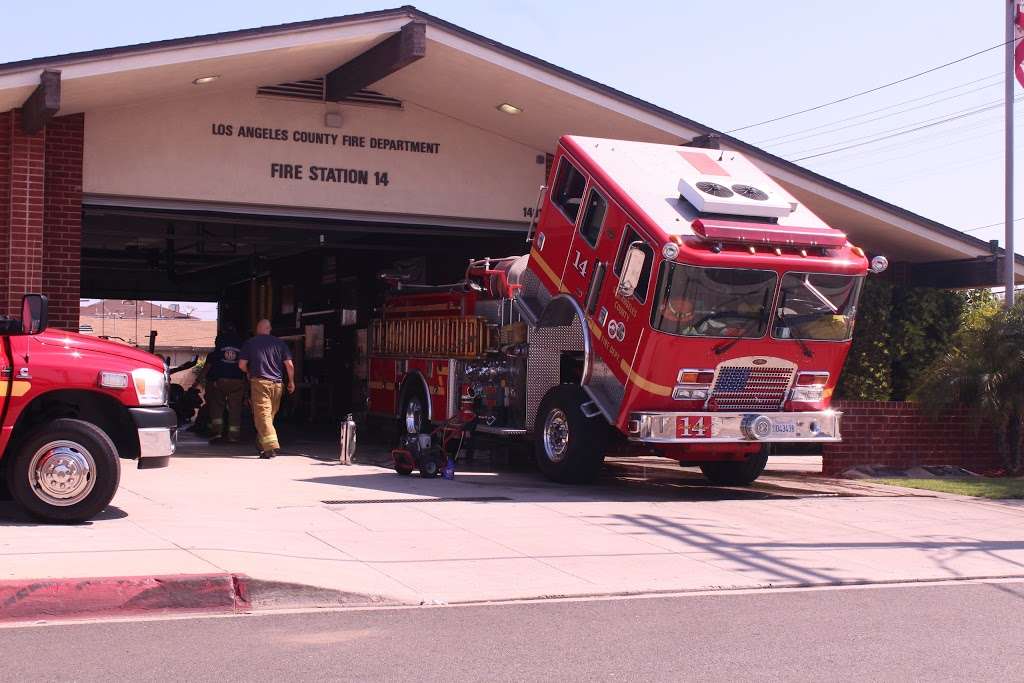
(374, 384)
(535, 255)
(595, 328)
(644, 383)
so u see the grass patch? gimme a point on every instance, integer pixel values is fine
(979, 487)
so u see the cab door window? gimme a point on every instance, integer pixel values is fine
(593, 219)
(567, 193)
(631, 238)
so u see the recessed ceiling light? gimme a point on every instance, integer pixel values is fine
(509, 108)
(204, 79)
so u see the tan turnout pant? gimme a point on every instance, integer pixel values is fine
(226, 392)
(266, 399)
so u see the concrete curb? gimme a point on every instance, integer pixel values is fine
(48, 599)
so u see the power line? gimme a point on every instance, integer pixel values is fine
(902, 132)
(891, 106)
(977, 108)
(989, 126)
(871, 90)
(991, 225)
(885, 116)
(876, 159)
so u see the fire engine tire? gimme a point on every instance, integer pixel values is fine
(412, 415)
(64, 471)
(736, 473)
(569, 446)
(404, 471)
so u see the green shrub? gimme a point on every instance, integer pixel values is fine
(867, 375)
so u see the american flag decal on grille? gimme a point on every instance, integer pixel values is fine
(750, 388)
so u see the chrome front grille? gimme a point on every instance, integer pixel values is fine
(750, 388)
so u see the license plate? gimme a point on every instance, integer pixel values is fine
(783, 428)
(693, 427)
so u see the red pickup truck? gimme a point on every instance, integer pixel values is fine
(71, 407)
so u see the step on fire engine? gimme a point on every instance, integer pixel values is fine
(675, 301)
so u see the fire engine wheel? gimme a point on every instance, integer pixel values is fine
(64, 471)
(737, 473)
(568, 445)
(414, 412)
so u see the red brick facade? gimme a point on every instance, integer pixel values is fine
(41, 215)
(896, 433)
(62, 237)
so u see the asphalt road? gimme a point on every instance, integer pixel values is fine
(920, 632)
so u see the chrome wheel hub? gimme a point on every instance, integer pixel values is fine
(62, 473)
(413, 416)
(556, 435)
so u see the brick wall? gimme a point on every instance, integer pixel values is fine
(24, 224)
(5, 203)
(41, 215)
(62, 236)
(896, 433)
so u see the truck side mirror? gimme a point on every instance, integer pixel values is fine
(34, 313)
(632, 269)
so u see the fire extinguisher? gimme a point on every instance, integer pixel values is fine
(347, 440)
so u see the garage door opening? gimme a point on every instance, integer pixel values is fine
(319, 281)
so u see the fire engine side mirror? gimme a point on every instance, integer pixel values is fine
(34, 313)
(632, 269)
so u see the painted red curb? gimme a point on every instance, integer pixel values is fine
(45, 599)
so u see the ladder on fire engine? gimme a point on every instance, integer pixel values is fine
(463, 338)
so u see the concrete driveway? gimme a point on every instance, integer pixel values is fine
(503, 533)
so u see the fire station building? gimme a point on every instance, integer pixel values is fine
(280, 170)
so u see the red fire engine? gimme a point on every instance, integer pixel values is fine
(675, 301)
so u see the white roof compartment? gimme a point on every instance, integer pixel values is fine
(723, 182)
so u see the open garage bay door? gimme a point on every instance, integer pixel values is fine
(136, 249)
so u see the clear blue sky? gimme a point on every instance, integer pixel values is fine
(725, 64)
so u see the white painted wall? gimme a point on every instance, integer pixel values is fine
(168, 150)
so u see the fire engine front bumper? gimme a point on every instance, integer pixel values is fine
(696, 428)
(158, 435)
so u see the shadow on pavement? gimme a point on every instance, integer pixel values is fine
(532, 487)
(12, 515)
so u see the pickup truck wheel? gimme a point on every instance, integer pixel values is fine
(568, 445)
(737, 473)
(64, 471)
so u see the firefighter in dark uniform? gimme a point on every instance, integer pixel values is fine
(225, 386)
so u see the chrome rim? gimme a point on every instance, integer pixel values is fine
(413, 416)
(62, 473)
(556, 435)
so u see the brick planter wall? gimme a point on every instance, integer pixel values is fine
(896, 433)
(41, 215)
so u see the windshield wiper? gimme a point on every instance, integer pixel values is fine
(803, 345)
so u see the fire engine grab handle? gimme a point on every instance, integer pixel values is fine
(536, 214)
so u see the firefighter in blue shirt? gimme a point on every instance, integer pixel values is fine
(225, 386)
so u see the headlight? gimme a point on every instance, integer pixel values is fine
(151, 386)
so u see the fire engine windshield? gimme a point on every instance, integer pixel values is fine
(817, 306)
(713, 302)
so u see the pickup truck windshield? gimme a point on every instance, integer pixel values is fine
(817, 306)
(713, 302)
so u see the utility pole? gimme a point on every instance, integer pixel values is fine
(1009, 254)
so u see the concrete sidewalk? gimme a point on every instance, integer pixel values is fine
(492, 535)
